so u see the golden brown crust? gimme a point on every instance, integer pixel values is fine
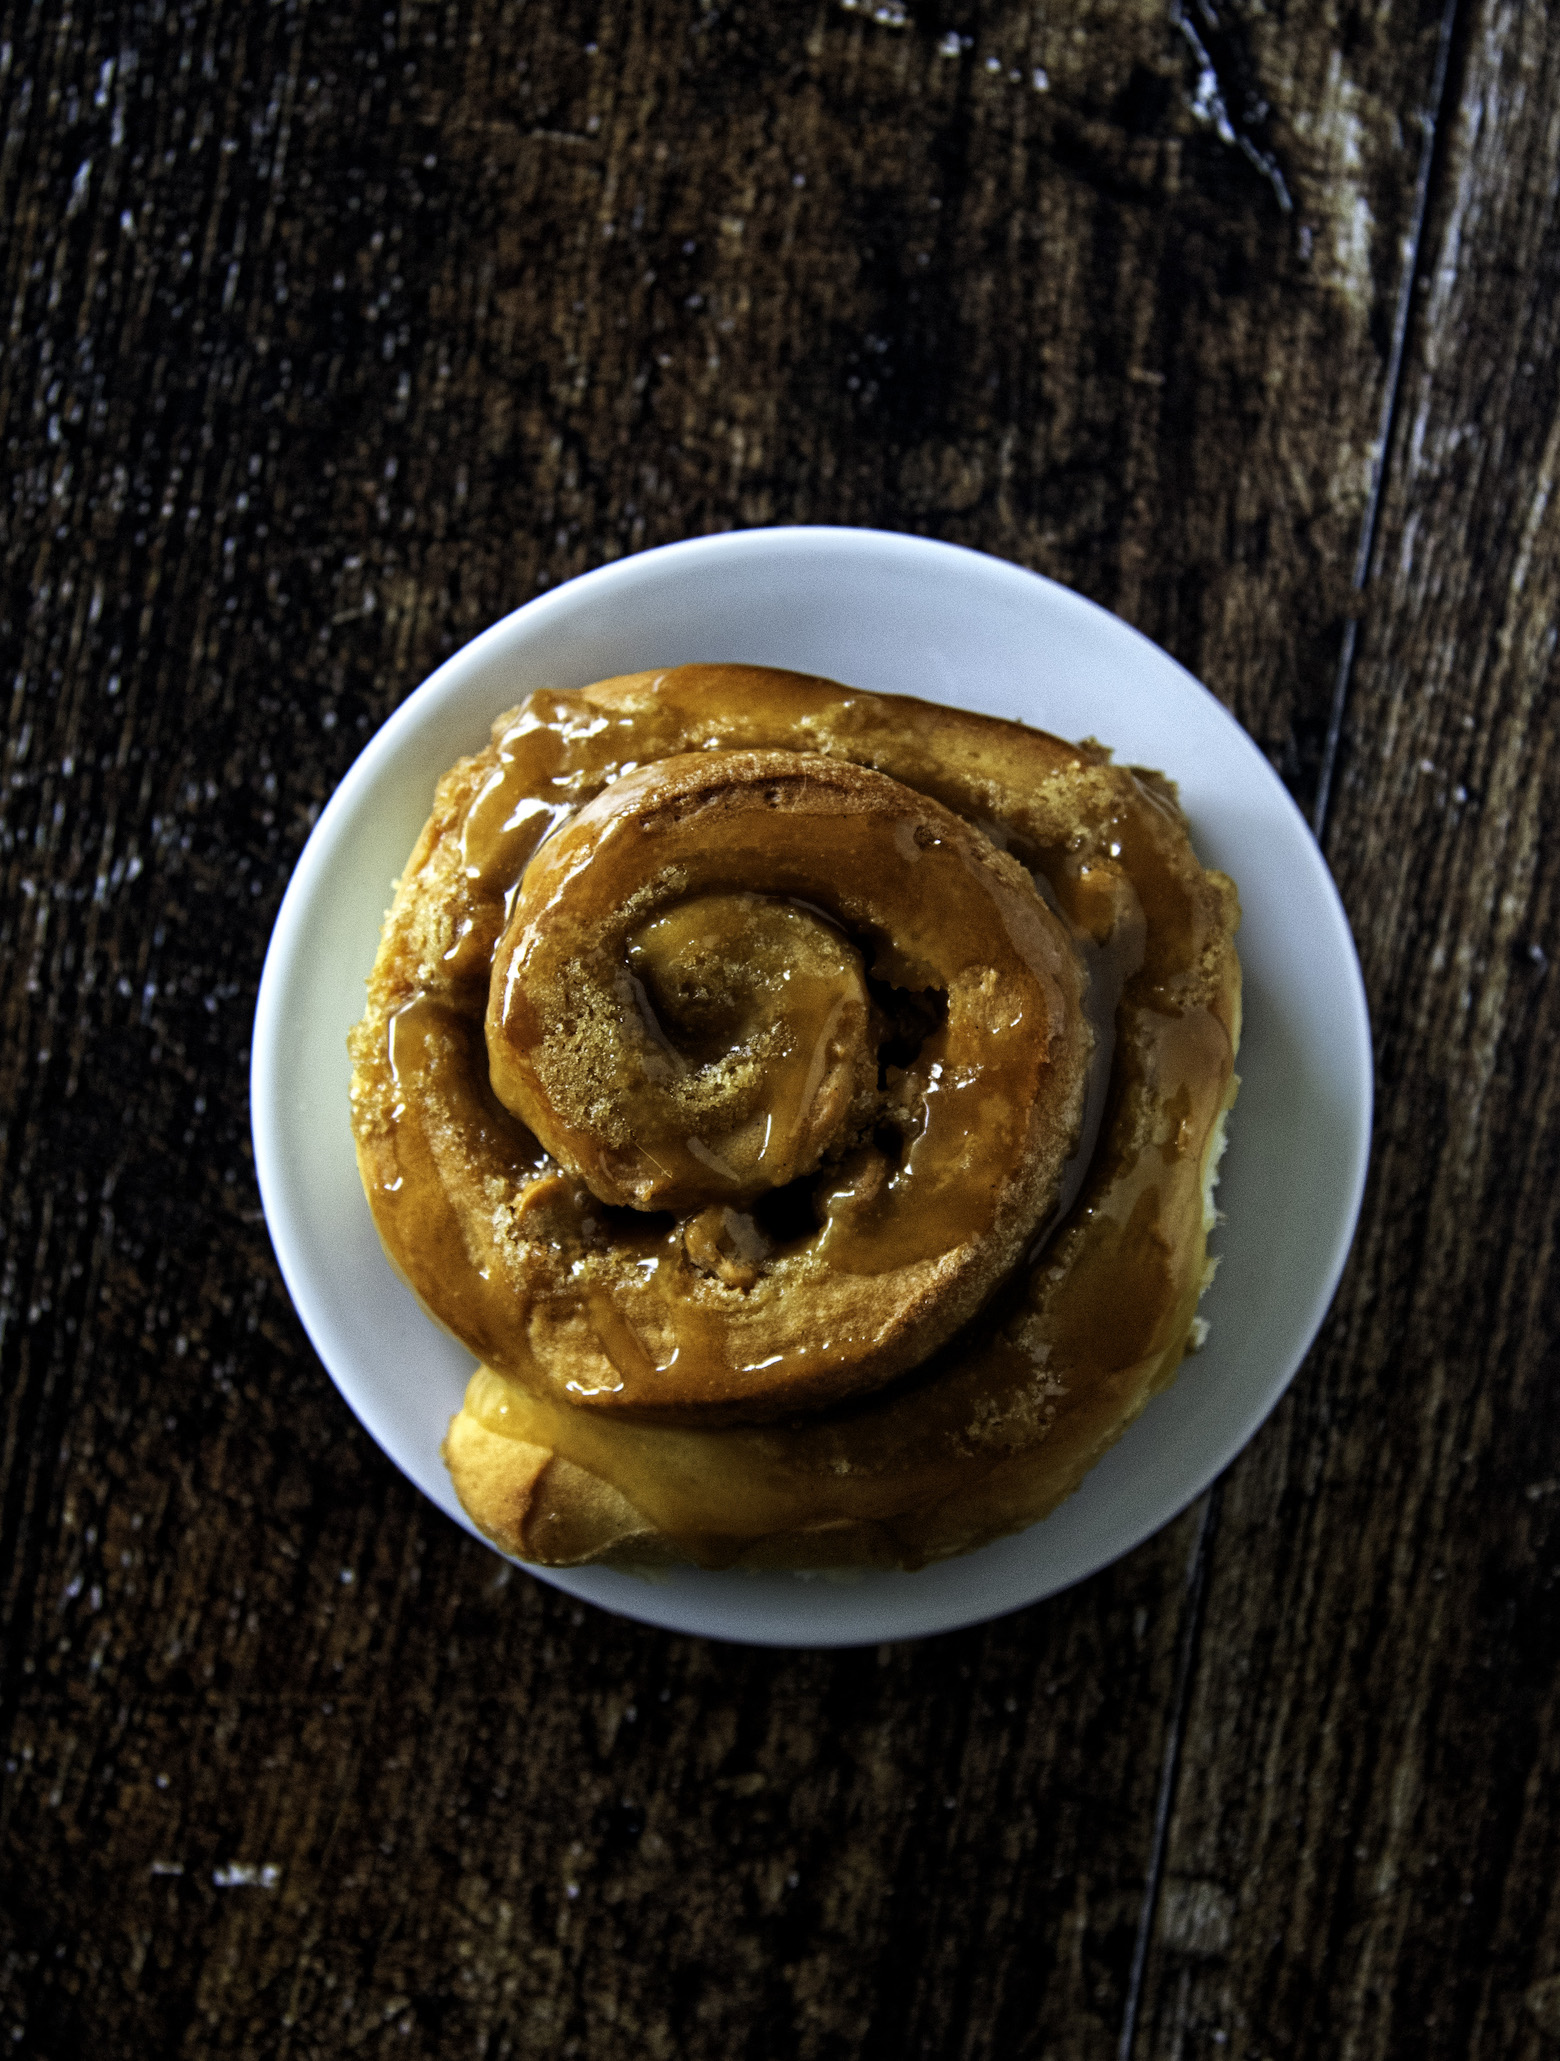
(1002, 1422)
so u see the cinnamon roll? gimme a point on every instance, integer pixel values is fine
(805, 1106)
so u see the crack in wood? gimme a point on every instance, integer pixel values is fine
(1228, 92)
(1441, 98)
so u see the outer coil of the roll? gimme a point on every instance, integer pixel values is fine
(1006, 1416)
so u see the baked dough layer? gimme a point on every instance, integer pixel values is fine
(1004, 1417)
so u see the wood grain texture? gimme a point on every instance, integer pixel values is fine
(332, 334)
(1363, 1854)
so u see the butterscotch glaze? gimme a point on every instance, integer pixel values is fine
(705, 1376)
(986, 1111)
(767, 981)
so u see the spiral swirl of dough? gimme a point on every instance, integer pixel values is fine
(723, 1070)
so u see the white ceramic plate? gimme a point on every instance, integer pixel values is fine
(893, 613)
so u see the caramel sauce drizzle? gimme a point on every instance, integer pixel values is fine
(1101, 1301)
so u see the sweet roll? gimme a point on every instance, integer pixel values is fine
(805, 1105)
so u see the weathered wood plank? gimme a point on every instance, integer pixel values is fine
(1363, 1853)
(320, 355)
(529, 1822)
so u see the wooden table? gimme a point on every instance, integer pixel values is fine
(334, 333)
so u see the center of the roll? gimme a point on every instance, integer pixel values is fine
(759, 1008)
(732, 972)
(714, 1048)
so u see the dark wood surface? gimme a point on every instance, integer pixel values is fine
(334, 333)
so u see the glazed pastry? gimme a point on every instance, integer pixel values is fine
(805, 1105)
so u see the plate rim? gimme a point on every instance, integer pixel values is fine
(625, 1594)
